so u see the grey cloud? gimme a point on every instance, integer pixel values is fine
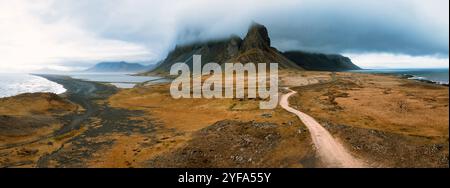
(410, 27)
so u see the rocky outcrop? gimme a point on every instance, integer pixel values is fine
(218, 51)
(254, 48)
(257, 38)
(321, 62)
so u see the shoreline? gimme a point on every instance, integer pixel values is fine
(112, 84)
(65, 81)
(83, 93)
(76, 136)
(424, 80)
(136, 84)
(419, 74)
(80, 88)
(79, 92)
(126, 125)
(406, 76)
(21, 83)
(378, 115)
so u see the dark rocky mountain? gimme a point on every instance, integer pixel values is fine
(257, 38)
(255, 47)
(119, 67)
(218, 51)
(321, 62)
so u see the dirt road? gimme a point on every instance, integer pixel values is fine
(331, 152)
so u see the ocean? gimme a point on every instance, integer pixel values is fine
(437, 75)
(120, 80)
(16, 83)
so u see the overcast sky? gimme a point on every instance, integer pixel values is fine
(73, 34)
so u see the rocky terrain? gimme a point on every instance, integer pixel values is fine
(231, 143)
(384, 120)
(28, 116)
(254, 48)
(388, 121)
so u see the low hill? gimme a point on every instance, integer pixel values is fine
(321, 62)
(119, 67)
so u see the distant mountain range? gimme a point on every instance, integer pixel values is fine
(256, 48)
(119, 67)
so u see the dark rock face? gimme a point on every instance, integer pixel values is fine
(321, 62)
(234, 45)
(254, 48)
(257, 37)
(218, 51)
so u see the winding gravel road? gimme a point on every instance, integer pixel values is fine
(331, 152)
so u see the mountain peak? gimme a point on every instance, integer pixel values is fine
(257, 37)
(254, 48)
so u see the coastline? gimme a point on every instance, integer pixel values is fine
(56, 137)
(126, 84)
(408, 74)
(165, 78)
(13, 84)
(129, 127)
(421, 79)
(378, 115)
(79, 92)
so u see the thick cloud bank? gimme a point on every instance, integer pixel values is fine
(142, 30)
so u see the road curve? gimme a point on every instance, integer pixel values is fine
(331, 152)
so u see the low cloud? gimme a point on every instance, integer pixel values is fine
(389, 60)
(86, 30)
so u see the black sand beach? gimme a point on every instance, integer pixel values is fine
(82, 134)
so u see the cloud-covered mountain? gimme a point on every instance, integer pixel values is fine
(254, 48)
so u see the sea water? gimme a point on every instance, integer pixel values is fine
(120, 80)
(17, 83)
(438, 75)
